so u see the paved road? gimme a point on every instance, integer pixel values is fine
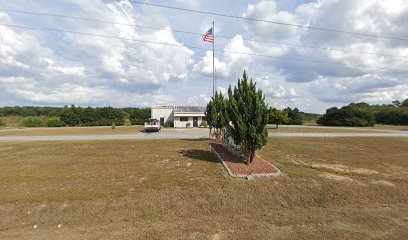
(189, 134)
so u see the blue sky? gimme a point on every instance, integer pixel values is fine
(61, 68)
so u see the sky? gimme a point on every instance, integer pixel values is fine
(125, 69)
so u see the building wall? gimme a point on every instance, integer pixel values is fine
(166, 113)
(180, 124)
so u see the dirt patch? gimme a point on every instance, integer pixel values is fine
(216, 237)
(340, 168)
(383, 182)
(336, 177)
(236, 166)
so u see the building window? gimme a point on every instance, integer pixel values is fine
(204, 119)
(183, 119)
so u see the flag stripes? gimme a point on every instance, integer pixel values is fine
(208, 36)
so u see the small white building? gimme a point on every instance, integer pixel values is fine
(178, 116)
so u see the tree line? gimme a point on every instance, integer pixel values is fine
(75, 116)
(290, 116)
(363, 114)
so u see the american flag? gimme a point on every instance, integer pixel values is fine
(208, 36)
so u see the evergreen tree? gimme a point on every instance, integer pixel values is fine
(218, 112)
(247, 113)
(209, 115)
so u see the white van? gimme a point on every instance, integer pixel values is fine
(152, 125)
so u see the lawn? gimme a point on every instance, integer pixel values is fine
(391, 127)
(71, 131)
(336, 188)
(285, 129)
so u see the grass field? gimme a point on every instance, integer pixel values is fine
(71, 131)
(337, 188)
(283, 129)
(391, 127)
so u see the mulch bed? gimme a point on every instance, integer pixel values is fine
(236, 167)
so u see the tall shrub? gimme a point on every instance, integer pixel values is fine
(32, 122)
(54, 122)
(247, 114)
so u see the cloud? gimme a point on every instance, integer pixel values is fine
(232, 61)
(81, 69)
(267, 10)
(39, 67)
(205, 66)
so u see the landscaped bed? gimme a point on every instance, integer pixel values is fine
(236, 167)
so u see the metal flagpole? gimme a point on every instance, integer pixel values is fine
(213, 32)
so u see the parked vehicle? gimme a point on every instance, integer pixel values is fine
(152, 125)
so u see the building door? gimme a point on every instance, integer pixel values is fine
(195, 121)
(161, 122)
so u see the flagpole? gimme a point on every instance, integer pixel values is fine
(213, 32)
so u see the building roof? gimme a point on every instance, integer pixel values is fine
(189, 109)
(182, 108)
(163, 106)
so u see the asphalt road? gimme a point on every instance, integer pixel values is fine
(192, 134)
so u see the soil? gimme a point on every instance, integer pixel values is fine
(237, 165)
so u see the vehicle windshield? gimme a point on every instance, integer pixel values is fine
(152, 122)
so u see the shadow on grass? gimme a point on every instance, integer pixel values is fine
(199, 154)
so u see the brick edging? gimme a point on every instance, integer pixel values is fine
(244, 176)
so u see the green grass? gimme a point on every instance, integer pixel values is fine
(331, 188)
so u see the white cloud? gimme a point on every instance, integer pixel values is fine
(267, 10)
(61, 68)
(87, 69)
(233, 62)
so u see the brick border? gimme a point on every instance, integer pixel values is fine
(244, 176)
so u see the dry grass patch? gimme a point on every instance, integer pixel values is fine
(71, 131)
(174, 189)
(390, 127)
(316, 129)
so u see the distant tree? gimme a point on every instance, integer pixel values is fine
(54, 122)
(277, 117)
(109, 115)
(71, 116)
(396, 103)
(355, 114)
(392, 115)
(139, 116)
(32, 122)
(247, 112)
(89, 117)
(295, 116)
(404, 103)
(77, 116)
